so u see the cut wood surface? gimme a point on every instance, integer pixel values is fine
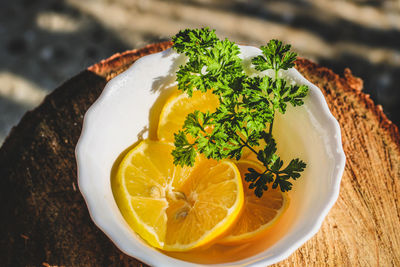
(45, 220)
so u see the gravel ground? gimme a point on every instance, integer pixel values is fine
(43, 42)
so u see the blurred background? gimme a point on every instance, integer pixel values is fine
(44, 43)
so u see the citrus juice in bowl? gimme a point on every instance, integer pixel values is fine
(128, 114)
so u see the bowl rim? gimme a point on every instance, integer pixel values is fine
(339, 159)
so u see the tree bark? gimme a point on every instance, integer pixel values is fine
(45, 220)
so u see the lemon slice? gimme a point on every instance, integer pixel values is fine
(258, 214)
(175, 208)
(178, 106)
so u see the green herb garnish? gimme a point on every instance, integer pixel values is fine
(247, 107)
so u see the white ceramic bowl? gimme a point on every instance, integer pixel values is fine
(121, 115)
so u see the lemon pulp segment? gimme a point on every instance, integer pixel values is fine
(177, 208)
(178, 106)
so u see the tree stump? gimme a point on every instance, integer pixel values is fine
(45, 221)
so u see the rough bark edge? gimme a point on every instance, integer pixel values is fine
(348, 82)
(112, 66)
(118, 62)
(106, 68)
(354, 85)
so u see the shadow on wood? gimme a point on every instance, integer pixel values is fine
(47, 220)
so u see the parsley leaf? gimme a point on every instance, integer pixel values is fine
(291, 171)
(247, 105)
(276, 56)
(184, 153)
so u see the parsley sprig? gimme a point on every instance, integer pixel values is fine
(247, 106)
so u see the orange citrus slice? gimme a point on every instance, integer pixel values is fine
(175, 208)
(178, 106)
(258, 214)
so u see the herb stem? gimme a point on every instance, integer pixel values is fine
(270, 127)
(245, 144)
(241, 106)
